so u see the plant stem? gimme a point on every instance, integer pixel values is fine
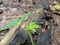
(31, 38)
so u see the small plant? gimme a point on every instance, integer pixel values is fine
(15, 21)
(31, 28)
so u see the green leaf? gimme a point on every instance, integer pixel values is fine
(15, 21)
(32, 26)
(25, 16)
(12, 23)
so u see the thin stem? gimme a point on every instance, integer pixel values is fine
(31, 38)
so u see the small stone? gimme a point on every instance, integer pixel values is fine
(13, 10)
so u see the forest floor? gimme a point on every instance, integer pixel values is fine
(50, 23)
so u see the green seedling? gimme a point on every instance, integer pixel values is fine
(15, 21)
(31, 28)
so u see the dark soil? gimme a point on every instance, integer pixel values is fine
(47, 34)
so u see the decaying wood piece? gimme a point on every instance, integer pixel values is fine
(12, 33)
(9, 36)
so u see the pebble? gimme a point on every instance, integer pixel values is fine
(13, 9)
